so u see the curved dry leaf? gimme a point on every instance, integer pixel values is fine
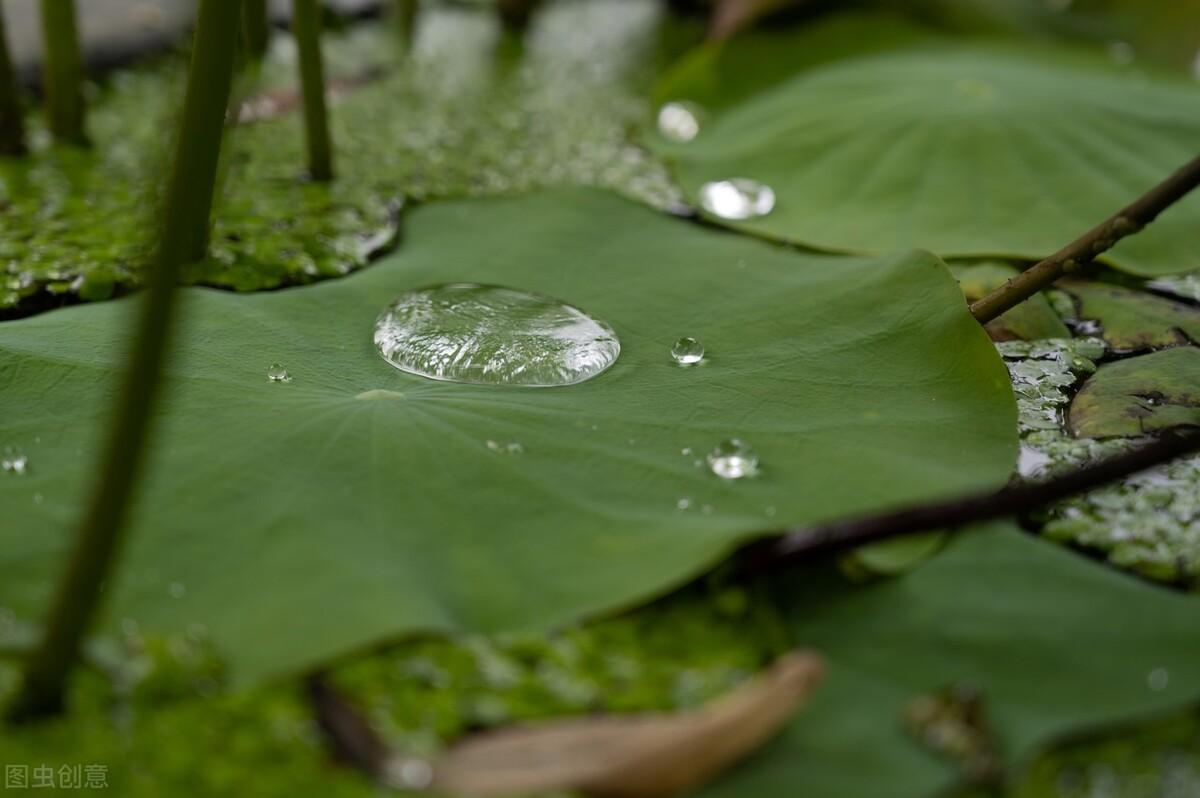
(636, 756)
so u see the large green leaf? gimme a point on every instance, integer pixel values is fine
(299, 519)
(1052, 642)
(968, 148)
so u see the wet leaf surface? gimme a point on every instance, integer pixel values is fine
(970, 148)
(360, 487)
(1139, 395)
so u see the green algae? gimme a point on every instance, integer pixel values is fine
(1148, 523)
(442, 121)
(156, 713)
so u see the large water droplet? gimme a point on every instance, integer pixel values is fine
(733, 459)
(737, 198)
(277, 373)
(687, 351)
(13, 460)
(679, 121)
(488, 335)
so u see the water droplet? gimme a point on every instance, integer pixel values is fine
(707, 509)
(1121, 53)
(733, 459)
(176, 590)
(277, 373)
(738, 198)
(407, 773)
(687, 351)
(13, 460)
(679, 121)
(770, 511)
(683, 503)
(1158, 679)
(512, 447)
(38, 498)
(487, 335)
(686, 451)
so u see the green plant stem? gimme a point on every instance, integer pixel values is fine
(404, 17)
(256, 27)
(186, 212)
(306, 26)
(62, 72)
(1080, 252)
(12, 125)
(795, 545)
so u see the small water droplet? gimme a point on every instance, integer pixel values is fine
(488, 335)
(733, 459)
(277, 373)
(737, 198)
(13, 460)
(770, 511)
(687, 351)
(176, 590)
(408, 773)
(1158, 679)
(686, 451)
(512, 447)
(707, 509)
(679, 121)
(683, 503)
(1121, 53)
(38, 498)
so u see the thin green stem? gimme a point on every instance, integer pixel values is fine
(12, 125)
(256, 27)
(62, 72)
(186, 213)
(306, 26)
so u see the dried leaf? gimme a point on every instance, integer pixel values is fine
(637, 756)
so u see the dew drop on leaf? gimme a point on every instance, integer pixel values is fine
(679, 121)
(13, 460)
(687, 351)
(488, 335)
(733, 459)
(277, 373)
(738, 198)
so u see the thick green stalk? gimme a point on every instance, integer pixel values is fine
(256, 27)
(186, 214)
(404, 17)
(12, 126)
(62, 72)
(306, 26)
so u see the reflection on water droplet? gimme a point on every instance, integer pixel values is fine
(13, 460)
(407, 773)
(679, 121)
(683, 503)
(686, 451)
(487, 335)
(512, 447)
(738, 198)
(733, 459)
(1158, 679)
(277, 373)
(687, 351)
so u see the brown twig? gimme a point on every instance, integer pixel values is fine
(801, 543)
(1083, 250)
(350, 738)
